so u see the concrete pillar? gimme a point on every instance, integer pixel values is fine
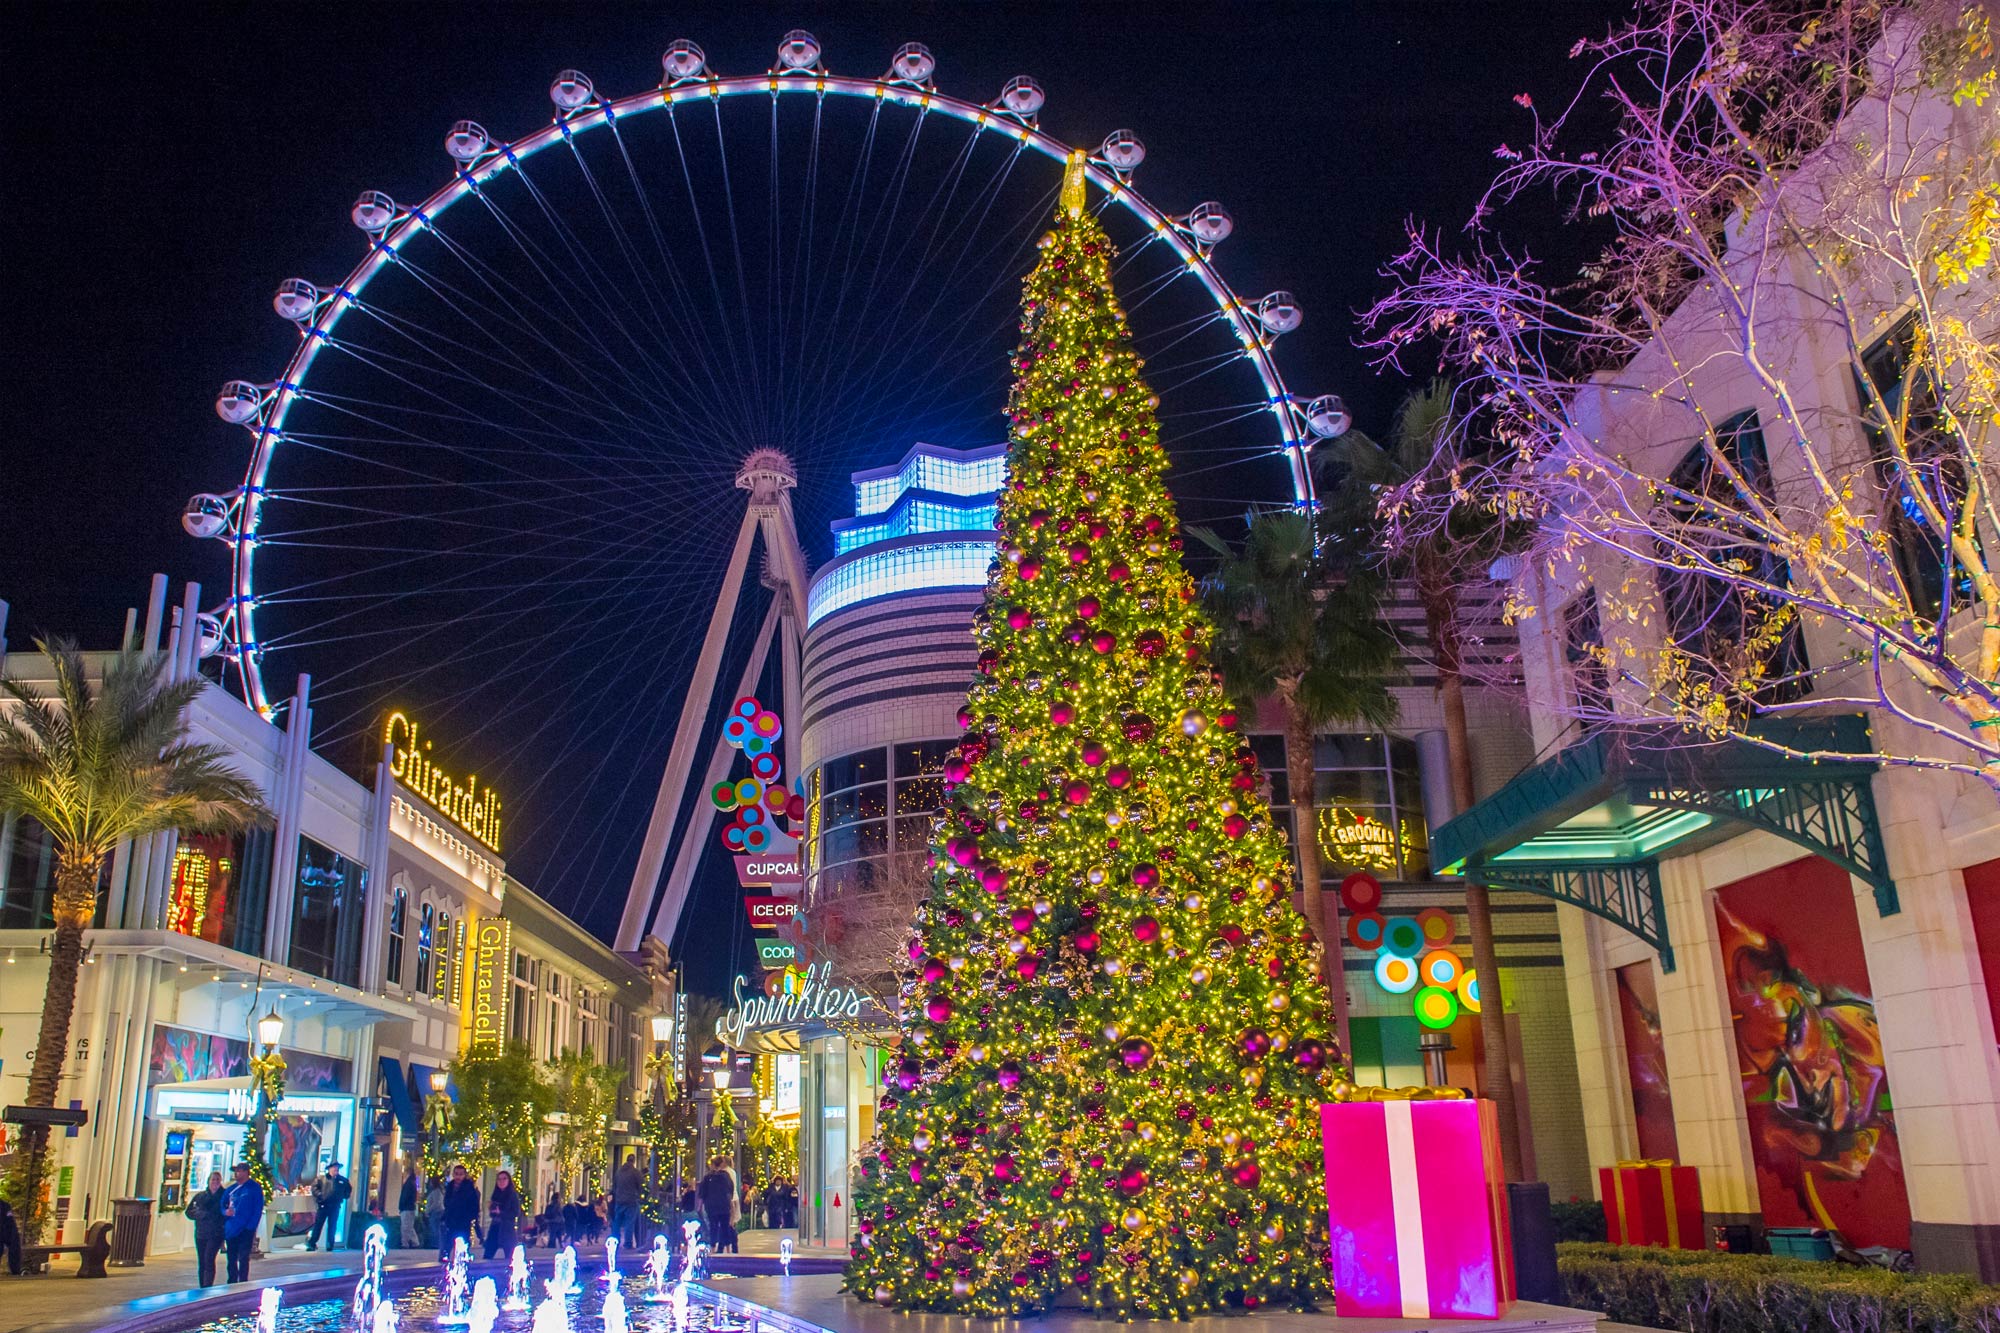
(1434, 777)
(1699, 1034)
(1602, 1082)
(1937, 1037)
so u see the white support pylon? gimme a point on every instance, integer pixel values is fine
(652, 906)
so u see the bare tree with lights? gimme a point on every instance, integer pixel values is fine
(1760, 419)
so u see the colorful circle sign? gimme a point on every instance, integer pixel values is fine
(1468, 990)
(1402, 936)
(1395, 974)
(1438, 925)
(1436, 1007)
(1361, 892)
(1365, 931)
(1441, 967)
(724, 796)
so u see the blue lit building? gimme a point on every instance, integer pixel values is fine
(888, 654)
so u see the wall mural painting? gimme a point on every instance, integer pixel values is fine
(181, 1056)
(1646, 1062)
(1822, 1127)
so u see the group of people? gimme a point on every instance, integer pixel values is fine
(452, 1207)
(226, 1217)
(225, 1220)
(720, 1202)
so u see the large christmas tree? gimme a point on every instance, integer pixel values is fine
(1115, 1028)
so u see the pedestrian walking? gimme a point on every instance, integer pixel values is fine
(10, 1240)
(406, 1208)
(461, 1211)
(503, 1216)
(627, 1185)
(242, 1213)
(718, 1200)
(205, 1211)
(330, 1193)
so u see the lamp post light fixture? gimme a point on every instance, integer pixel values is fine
(270, 1029)
(663, 1032)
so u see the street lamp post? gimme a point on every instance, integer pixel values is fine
(437, 1115)
(663, 1032)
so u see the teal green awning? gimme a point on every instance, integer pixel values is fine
(1590, 825)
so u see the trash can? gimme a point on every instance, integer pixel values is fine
(131, 1230)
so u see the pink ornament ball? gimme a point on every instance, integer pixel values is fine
(938, 1010)
(1145, 930)
(1061, 714)
(1235, 826)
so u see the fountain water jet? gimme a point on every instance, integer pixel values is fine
(485, 1310)
(368, 1291)
(611, 1259)
(614, 1312)
(518, 1272)
(452, 1306)
(658, 1261)
(267, 1310)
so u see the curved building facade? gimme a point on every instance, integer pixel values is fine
(887, 657)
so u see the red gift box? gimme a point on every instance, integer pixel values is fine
(1652, 1203)
(1418, 1209)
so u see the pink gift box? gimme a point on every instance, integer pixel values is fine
(1418, 1208)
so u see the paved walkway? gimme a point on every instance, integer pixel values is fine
(59, 1294)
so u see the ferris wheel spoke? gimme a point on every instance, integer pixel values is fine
(514, 318)
(542, 431)
(722, 322)
(759, 399)
(571, 400)
(677, 311)
(846, 221)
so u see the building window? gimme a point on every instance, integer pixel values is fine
(28, 877)
(327, 910)
(1909, 397)
(521, 1017)
(426, 937)
(1724, 629)
(1583, 652)
(399, 914)
(220, 886)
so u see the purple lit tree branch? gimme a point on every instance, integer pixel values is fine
(1759, 420)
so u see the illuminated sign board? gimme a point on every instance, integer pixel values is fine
(776, 868)
(464, 803)
(1352, 838)
(812, 1000)
(776, 953)
(488, 961)
(769, 913)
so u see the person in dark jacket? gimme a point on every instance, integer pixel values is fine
(406, 1208)
(503, 1214)
(205, 1211)
(628, 1184)
(718, 1191)
(461, 1211)
(10, 1241)
(552, 1230)
(330, 1193)
(242, 1214)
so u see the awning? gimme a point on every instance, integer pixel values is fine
(400, 1101)
(1589, 826)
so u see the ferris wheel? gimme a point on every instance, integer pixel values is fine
(493, 471)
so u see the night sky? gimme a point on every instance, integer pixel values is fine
(168, 165)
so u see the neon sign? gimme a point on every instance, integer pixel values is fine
(1351, 838)
(812, 1000)
(466, 804)
(487, 958)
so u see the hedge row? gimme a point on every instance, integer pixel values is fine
(1700, 1291)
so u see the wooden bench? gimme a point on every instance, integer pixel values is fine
(96, 1248)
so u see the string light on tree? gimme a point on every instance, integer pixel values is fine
(1114, 1025)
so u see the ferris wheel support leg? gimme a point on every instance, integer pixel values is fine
(687, 858)
(789, 650)
(694, 712)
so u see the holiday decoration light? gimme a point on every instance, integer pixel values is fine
(1115, 1034)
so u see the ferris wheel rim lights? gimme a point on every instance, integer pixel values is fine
(316, 309)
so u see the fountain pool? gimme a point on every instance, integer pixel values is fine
(424, 1308)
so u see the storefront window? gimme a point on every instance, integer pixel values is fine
(863, 807)
(327, 914)
(830, 1077)
(441, 980)
(219, 886)
(1368, 803)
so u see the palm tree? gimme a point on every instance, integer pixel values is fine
(96, 770)
(1297, 622)
(1434, 563)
